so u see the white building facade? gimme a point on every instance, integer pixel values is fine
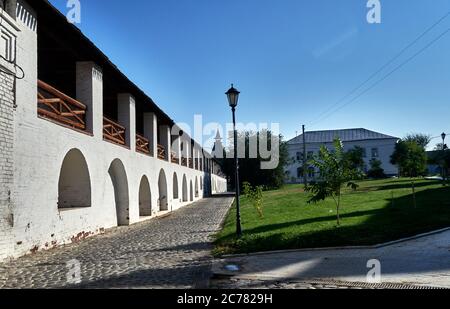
(82, 149)
(376, 146)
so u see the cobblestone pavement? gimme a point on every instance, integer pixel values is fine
(170, 252)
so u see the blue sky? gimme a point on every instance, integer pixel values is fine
(291, 59)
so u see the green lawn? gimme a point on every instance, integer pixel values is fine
(369, 216)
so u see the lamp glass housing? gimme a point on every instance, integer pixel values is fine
(233, 96)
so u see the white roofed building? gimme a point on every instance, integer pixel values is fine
(375, 146)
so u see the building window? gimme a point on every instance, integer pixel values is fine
(375, 153)
(300, 172)
(299, 156)
(310, 155)
(311, 172)
(364, 152)
(9, 6)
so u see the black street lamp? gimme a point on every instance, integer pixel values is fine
(233, 98)
(443, 135)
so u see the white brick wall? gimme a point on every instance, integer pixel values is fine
(8, 34)
(6, 161)
(40, 147)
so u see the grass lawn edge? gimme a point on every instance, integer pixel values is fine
(371, 222)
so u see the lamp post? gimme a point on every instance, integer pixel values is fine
(443, 135)
(233, 97)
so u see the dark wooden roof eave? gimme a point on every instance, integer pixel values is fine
(87, 50)
(91, 52)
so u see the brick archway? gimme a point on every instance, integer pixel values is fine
(185, 189)
(176, 192)
(74, 185)
(121, 195)
(162, 188)
(145, 198)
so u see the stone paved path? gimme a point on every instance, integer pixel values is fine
(241, 283)
(170, 252)
(275, 284)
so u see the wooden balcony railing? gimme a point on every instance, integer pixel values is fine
(161, 152)
(142, 144)
(174, 159)
(184, 161)
(191, 163)
(57, 106)
(196, 164)
(113, 131)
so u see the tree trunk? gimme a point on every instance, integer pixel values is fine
(338, 209)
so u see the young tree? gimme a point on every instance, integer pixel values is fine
(376, 171)
(255, 195)
(411, 158)
(335, 172)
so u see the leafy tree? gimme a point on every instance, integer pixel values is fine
(439, 147)
(355, 158)
(376, 171)
(441, 158)
(335, 172)
(423, 140)
(250, 168)
(411, 158)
